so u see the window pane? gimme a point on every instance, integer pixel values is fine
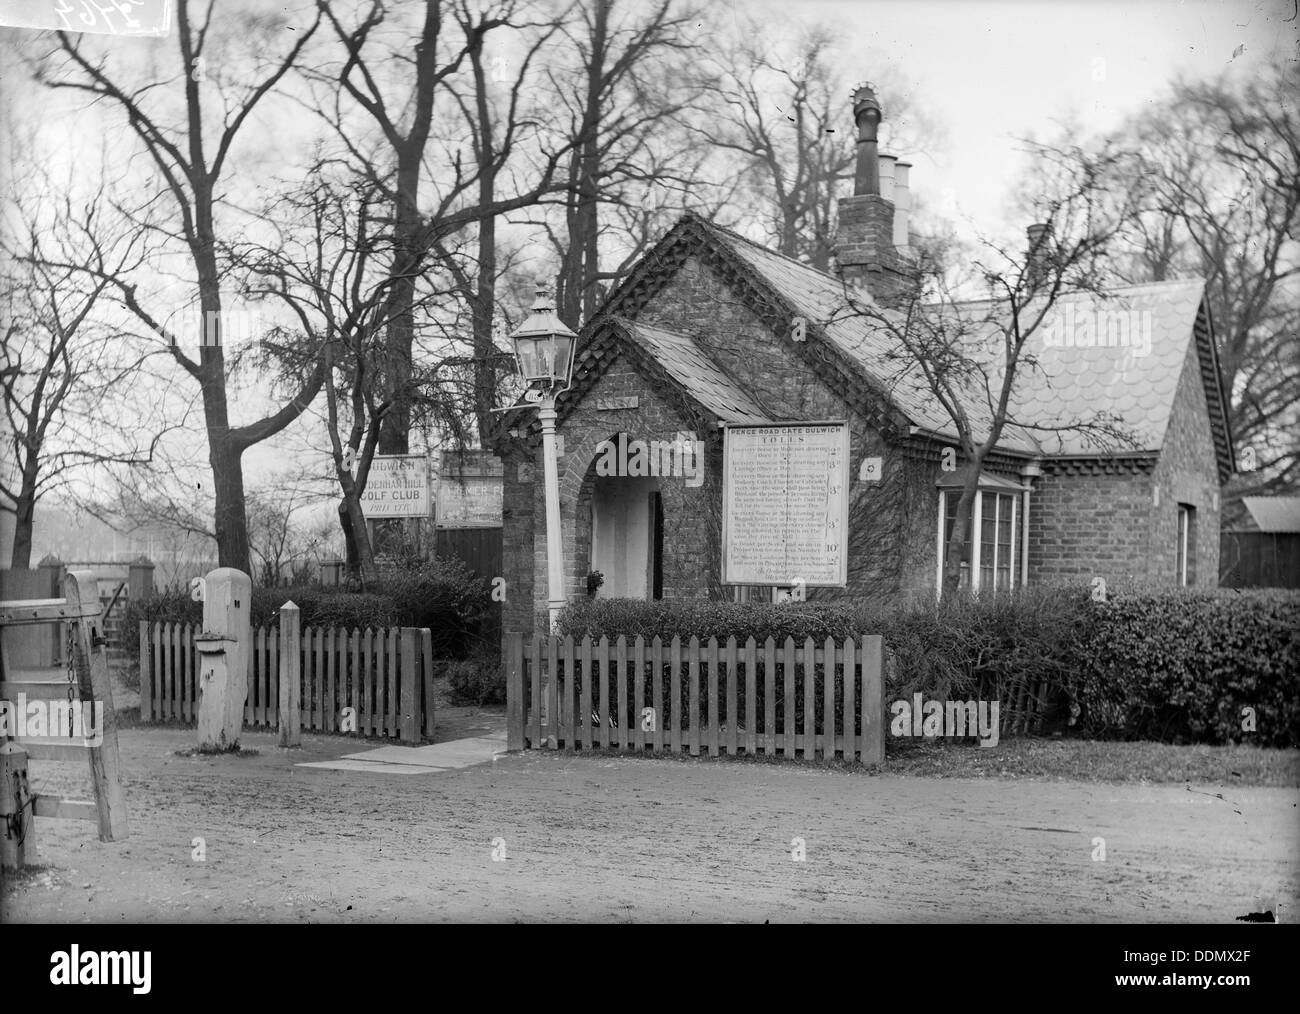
(1007, 538)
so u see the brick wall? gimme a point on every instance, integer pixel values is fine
(1116, 525)
(1188, 473)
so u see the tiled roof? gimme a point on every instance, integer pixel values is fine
(1068, 385)
(697, 373)
(1274, 513)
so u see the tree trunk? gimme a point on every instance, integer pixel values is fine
(577, 289)
(24, 512)
(484, 302)
(957, 541)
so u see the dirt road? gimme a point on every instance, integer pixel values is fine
(634, 839)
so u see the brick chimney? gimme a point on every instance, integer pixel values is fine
(864, 246)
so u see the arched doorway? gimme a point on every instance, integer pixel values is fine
(627, 540)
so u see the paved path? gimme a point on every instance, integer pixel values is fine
(419, 760)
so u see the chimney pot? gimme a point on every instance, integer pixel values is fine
(902, 206)
(1039, 236)
(867, 116)
(887, 163)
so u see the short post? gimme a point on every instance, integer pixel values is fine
(514, 690)
(18, 830)
(213, 678)
(409, 697)
(227, 612)
(290, 676)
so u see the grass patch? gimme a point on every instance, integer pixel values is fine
(1045, 760)
(1098, 761)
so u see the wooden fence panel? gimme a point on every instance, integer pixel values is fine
(675, 694)
(657, 692)
(713, 696)
(603, 716)
(769, 697)
(751, 697)
(828, 701)
(693, 660)
(850, 703)
(733, 685)
(584, 703)
(622, 692)
(638, 693)
(809, 699)
(566, 713)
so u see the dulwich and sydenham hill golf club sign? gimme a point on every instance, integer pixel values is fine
(398, 487)
(786, 505)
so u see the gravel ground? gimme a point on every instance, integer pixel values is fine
(638, 839)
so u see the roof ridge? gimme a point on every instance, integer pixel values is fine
(765, 249)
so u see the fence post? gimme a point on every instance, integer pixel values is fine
(426, 670)
(873, 700)
(514, 691)
(290, 676)
(409, 689)
(146, 673)
(96, 688)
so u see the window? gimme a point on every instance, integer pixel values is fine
(1186, 572)
(993, 558)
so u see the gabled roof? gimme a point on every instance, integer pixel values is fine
(1069, 385)
(701, 377)
(1274, 513)
(1136, 338)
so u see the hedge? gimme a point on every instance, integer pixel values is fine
(442, 595)
(1177, 665)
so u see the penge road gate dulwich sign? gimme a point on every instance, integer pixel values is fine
(786, 504)
(398, 486)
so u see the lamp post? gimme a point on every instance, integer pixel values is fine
(544, 349)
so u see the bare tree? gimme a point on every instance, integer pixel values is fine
(63, 363)
(971, 356)
(632, 82)
(1221, 182)
(464, 188)
(190, 155)
(329, 264)
(781, 102)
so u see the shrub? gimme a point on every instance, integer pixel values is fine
(477, 681)
(1180, 665)
(1159, 663)
(442, 595)
(446, 597)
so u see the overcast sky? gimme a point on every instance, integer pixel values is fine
(992, 72)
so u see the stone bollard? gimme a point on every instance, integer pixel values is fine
(213, 685)
(227, 608)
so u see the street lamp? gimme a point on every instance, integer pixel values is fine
(544, 348)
